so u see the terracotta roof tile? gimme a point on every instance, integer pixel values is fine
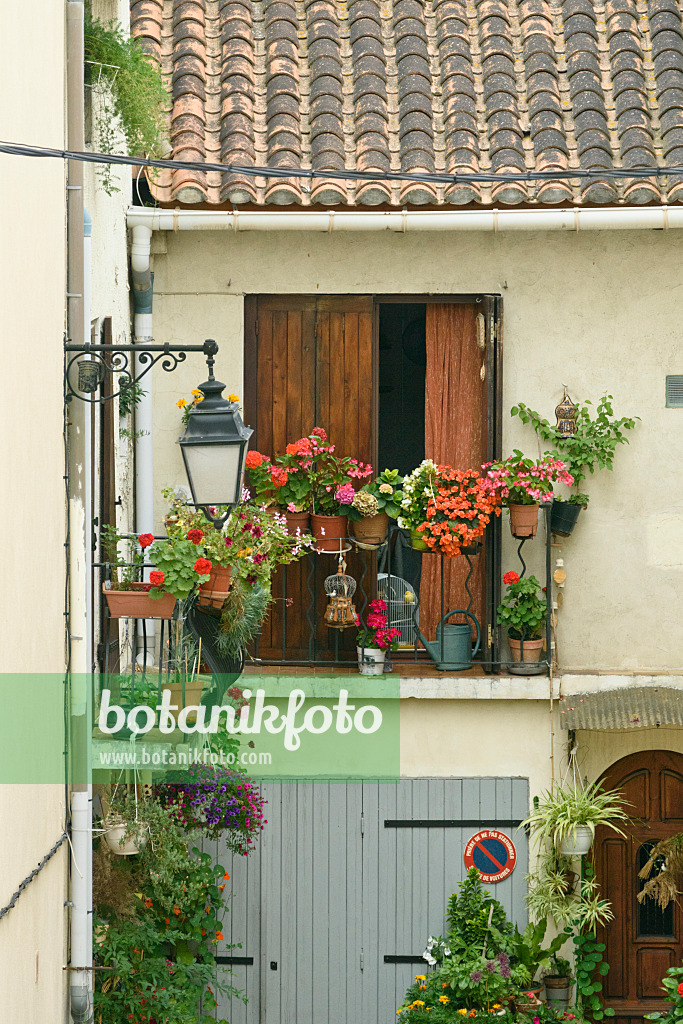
(419, 86)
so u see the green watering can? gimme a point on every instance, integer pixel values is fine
(452, 648)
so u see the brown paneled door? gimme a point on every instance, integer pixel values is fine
(642, 941)
(311, 359)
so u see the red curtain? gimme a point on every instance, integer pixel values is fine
(455, 433)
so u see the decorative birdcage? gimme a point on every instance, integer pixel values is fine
(340, 588)
(566, 413)
(401, 599)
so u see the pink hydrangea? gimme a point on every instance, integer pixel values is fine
(345, 494)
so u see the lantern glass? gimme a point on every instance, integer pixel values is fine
(215, 472)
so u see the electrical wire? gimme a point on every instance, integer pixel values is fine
(255, 171)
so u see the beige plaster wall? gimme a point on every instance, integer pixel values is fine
(597, 750)
(594, 311)
(32, 513)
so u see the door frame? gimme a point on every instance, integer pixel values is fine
(492, 308)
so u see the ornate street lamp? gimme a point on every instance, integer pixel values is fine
(214, 447)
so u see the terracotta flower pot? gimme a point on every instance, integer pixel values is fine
(531, 654)
(329, 532)
(417, 541)
(297, 521)
(136, 603)
(193, 696)
(371, 531)
(523, 520)
(214, 591)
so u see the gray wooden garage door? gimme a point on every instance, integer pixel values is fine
(348, 883)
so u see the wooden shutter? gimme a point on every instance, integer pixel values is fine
(311, 361)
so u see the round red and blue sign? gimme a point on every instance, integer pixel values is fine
(492, 853)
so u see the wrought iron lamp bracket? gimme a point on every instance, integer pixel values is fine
(116, 359)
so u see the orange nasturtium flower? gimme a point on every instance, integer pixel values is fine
(219, 936)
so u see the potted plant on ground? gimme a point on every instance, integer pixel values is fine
(125, 593)
(521, 484)
(566, 816)
(375, 639)
(418, 488)
(523, 612)
(372, 507)
(558, 982)
(458, 511)
(591, 447)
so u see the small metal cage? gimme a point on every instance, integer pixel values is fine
(340, 588)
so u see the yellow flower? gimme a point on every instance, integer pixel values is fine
(496, 1006)
(444, 1000)
(418, 1002)
(420, 977)
(233, 398)
(199, 398)
(196, 392)
(464, 1012)
(181, 403)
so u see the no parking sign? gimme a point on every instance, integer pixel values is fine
(492, 853)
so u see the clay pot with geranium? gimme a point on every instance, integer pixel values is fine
(375, 639)
(373, 506)
(266, 479)
(126, 594)
(521, 484)
(458, 511)
(332, 490)
(523, 612)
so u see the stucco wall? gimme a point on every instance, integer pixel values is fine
(32, 513)
(594, 311)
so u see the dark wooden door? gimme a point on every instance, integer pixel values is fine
(311, 358)
(642, 941)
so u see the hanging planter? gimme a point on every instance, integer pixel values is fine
(563, 517)
(214, 591)
(135, 603)
(523, 520)
(329, 532)
(577, 843)
(114, 837)
(417, 541)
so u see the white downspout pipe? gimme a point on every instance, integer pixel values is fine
(619, 218)
(144, 446)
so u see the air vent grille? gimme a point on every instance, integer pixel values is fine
(674, 391)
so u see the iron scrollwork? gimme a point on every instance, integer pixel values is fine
(86, 370)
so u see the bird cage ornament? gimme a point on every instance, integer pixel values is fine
(340, 588)
(566, 413)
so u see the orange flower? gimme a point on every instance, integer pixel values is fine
(167, 920)
(226, 875)
(219, 936)
(254, 459)
(176, 911)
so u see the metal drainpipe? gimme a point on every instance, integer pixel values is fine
(80, 980)
(142, 281)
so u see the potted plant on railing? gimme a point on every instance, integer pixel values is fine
(523, 612)
(591, 447)
(263, 475)
(458, 511)
(189, 525)
(375, 639)
(294, 495)
(332, 491)
(522, 483)
(125, 593)
(418, 488)
(372, 507)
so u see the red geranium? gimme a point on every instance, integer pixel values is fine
(156, 578)
(145, 539)
(203, 566)
(195, 536)
(254, 459)
(680, 989)
(319, 432)
(511, 577)
(279, 476)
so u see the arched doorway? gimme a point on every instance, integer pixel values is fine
(642, 941)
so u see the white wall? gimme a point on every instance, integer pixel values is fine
(594, 311)
(32, 512)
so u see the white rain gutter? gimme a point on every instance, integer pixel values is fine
(144, 438)
(618, 218)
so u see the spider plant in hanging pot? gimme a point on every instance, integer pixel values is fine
(567, 816)
(125, 826)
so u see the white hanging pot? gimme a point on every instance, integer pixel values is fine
(577, 843)
(370, 661)
(115, 831)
